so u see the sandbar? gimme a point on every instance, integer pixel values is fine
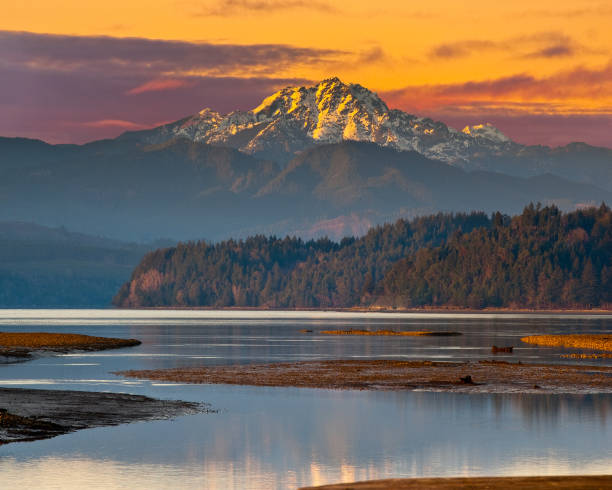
(477, 376)
(385, 332)
(28, 415)
(500, 483)
(602, 342)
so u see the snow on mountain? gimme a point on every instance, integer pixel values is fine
(296, 118)
(486, 132)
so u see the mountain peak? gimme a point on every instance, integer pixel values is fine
(330, 111)
(486, 131)
(328, 95)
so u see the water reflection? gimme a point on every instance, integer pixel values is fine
(284, 438)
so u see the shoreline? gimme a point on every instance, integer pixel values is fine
(575, 482)
(33, 414)
(433, 310)
(24, 346)
(391, 375)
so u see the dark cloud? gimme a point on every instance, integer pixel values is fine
(372, 55)
(224, 8)
(104, 54)
(554, 51)
(77, 88)
(461, 49)
(540, 45)
(79, 106)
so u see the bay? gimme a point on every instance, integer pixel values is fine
(288, 437)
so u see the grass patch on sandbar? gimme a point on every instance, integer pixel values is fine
(602, 342)
(60, 341)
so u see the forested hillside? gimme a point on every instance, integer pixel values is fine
(287, 272)
(542, 258)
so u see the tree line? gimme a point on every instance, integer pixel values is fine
(284, 272)
(541, 258)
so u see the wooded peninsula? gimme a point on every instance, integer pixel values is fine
(541, 259)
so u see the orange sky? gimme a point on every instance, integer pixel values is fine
(445, 58)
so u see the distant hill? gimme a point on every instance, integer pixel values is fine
(542, 258)
(51, 267)
(129, 190)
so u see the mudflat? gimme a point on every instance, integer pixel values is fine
(15, 346)
(387, 332)
(480, 376)
(501, 483)
(28, 415)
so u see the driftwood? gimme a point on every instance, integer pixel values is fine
(495, 349)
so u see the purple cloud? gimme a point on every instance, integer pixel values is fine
(101, 54)
(75, 88)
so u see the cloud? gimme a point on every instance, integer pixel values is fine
(106, 55)
(540, 45)
(598, 10)
(78, 88)
(112, 123)
(555, 51)
(158, 86)
(461, 49)
(373, 55)
(570, 105)
(592, 86)
(223, 8)
(80, 105)
(536, 129)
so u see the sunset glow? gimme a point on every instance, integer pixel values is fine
(540, 71)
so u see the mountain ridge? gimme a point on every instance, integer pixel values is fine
(295, 119)
(181, 189)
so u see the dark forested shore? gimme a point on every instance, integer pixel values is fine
(540, 259)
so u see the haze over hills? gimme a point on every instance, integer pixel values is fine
(183, 189)
(297, 118)
(52, 267)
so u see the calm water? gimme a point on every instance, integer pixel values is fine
(285, 437)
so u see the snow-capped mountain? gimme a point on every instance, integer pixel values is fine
(296, 118)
